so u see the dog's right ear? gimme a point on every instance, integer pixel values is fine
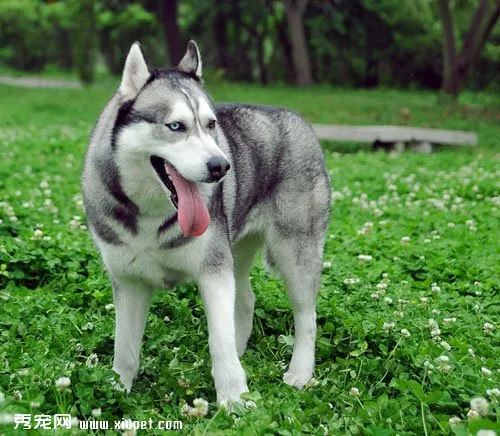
(135, 73)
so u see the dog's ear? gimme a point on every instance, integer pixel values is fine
(135, 73)
(191, 62)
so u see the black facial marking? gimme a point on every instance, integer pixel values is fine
(123, 118)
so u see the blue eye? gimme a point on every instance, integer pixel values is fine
(176, 127)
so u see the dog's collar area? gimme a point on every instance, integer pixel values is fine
(158, 165)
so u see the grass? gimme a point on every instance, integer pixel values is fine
(426, 225)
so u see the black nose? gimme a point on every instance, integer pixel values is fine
(217, 168)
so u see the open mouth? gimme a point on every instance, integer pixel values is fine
(185, 195)
(160, 166)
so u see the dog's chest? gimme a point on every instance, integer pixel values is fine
(148, 257)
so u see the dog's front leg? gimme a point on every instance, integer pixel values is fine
(132, 301)
(218, 294)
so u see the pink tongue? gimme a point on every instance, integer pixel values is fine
(193, 213)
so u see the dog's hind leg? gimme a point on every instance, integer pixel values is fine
(131, 304)
(298, 260)
(244, 253)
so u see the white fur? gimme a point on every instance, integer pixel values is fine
(181, 112)
(135, 73)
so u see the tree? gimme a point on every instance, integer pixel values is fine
(456, 66)
(175, 44)
(295, 16)
(86, 40)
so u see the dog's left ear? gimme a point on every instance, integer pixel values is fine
(135, 73)
(191, 62)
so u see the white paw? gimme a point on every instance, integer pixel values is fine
(231, 395)
(297, 379)
(237, 406)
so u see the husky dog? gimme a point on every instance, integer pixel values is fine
(177, 188)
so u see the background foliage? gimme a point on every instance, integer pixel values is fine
(359, 43)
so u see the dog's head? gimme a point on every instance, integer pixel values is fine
(167, 119)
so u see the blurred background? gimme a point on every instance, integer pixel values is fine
(425, 44)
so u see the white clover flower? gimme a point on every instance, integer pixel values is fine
(405, 332)
(18, 395)
(388, 300)
(493, 393)
(375, 296)
(445, 345)
(432, 324)
(435, 334)
(109, 306)
(473, 414)
(478, 284)
(44, 184)
(201, 406)
(398, 313)
(92, 361)
(451, 225)
(428, 365)
(96, 413)
(354, 392)
(485, 371)
(327, 264)
(424, 300)
(88, 326)
(480, 404)
(471, 352)
(405, 240)
(37, 235)
(365, 258)
(445, 368)
(351, 281)
(454, 420)
(435, 288)
(436, 311)
(483, 432)
(63, 382)
(75, 222)
(449, 320)
(389, 326)
(488, 328)
(443, 358)
(185, 409)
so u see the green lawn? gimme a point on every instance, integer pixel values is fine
(408, 334)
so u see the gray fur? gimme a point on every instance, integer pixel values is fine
(276, 196)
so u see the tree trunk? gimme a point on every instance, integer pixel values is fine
(449, 85)
(456, 67)
(220, 34)
(173, 36)
(287, 51)
(85, 41)
(300, 54)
